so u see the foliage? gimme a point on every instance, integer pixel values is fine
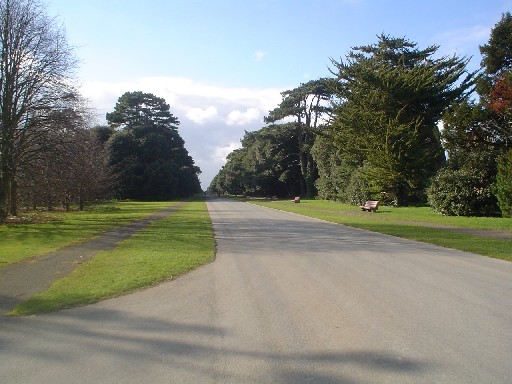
(500, 98)
(234, 177)
(266, 165)
(138, 109)
(357, 191)
(495, 87)
(308, 105)
(391, 96)
(503, 187)
(334, 171)
(147, 152)
(497, 54)
(465, 189)
(477, 133)
(35, 69)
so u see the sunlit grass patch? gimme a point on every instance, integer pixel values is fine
(50, 231)
(165, 249)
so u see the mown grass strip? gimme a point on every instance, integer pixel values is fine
(55, 230)
(407, 223)
(165, 249)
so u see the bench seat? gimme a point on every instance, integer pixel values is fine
(370, 206)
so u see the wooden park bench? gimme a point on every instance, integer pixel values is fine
(370, 206)
(296, 200)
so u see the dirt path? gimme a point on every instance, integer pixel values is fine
(21, 280)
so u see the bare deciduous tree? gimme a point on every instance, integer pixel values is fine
(36, 65)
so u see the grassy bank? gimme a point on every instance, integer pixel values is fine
(416, 223)
(41, 233)
(165, 249)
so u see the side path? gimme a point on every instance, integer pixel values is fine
(24, 279)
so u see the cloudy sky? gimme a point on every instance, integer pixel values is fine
(221, 64)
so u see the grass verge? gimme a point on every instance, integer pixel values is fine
(413, 223)
(52, 231)
(165, 249)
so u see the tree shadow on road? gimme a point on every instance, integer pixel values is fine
(97, 340)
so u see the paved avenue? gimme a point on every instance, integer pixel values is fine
(288, 300)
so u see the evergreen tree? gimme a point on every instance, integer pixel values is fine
(392, 96)
(308, 106)
(503, 187)
(147, 151)
(267, 164)
(483, 130)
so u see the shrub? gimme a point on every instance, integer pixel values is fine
(357, 191)
(462, 192)
(503, 186)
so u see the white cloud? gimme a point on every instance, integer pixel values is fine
(200, 115)
(184, 94)
(212, 117)
(243, 118)
(220, 153)
(461, 40)
(259, 55)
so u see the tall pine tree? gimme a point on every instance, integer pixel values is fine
(147, 151)
(392, 95)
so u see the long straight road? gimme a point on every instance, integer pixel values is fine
(289, 299)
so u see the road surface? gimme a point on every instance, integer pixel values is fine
(289, 299)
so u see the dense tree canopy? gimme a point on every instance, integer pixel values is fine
(309, 106)
(268, 164)
(138, 109)
(391, 98)
(147, 152)
(371, 130)
(481, 129)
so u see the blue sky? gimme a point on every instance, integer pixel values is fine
(221, 64)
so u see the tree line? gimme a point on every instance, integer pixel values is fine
(49, 153)
(394, 122)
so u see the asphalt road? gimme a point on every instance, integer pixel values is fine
(288, 300)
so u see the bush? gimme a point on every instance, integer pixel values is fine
(357, 191)
(503, 186)
(462, 192)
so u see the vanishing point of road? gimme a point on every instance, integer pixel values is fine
(289, 299)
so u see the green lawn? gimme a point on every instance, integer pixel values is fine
(417, 223)
(165, 249)
(55, 230)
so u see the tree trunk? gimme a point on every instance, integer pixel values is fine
(311, 176)
(81, 200)
(303, 185)
(3, 200)
(14, 198)
(7, 194)
(66, 201)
